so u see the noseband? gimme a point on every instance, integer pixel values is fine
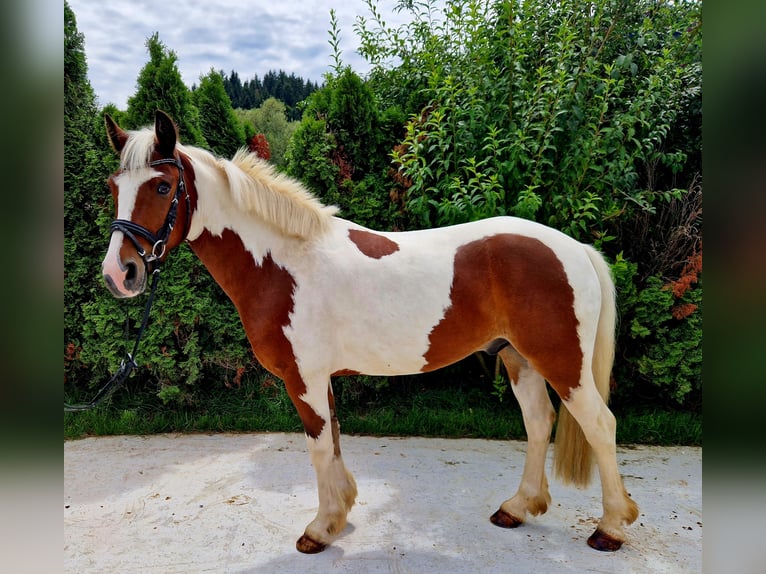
(157, 240)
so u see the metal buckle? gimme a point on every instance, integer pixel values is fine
(155, 255)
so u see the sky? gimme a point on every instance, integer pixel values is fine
(250, 37)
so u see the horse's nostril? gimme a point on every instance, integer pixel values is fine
(131, 271)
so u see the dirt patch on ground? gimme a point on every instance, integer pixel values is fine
(237, 503)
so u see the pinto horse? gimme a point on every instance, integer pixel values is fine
(320, 296)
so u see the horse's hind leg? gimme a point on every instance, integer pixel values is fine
(599, 425)
(336, 485)
(529, 388)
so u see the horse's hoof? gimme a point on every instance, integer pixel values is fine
(308, 545)
(603, 542)
(504, 520)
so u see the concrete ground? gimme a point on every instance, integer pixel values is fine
(236, 503)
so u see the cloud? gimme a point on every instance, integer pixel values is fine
(250, 38)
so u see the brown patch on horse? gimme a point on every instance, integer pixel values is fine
(514, 287)
(263, 296)
(372, 244)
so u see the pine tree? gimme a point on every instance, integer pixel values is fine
(160, 86)
(220, 126)
(233, 87)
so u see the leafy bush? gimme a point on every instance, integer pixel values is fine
(552, 112)
(270, 119)
(307, 156)
(339, 149)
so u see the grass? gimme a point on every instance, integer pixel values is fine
(412, 409)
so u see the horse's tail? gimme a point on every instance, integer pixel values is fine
(573, 456)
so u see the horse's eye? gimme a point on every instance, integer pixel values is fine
(163, 188)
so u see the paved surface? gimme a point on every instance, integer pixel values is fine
(236, 504)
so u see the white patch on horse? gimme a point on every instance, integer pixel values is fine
(128, 182)
(357, 321)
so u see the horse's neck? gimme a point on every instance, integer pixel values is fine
(244, 254)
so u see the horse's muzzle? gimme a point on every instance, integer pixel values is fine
(124, 279)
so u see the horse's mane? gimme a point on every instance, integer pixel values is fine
(255, 186)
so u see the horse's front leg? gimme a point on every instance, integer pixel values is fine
(336, 486)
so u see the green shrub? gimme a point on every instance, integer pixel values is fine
(552, 112)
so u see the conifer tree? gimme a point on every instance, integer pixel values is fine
(85, 192)
(160, 86)
(353, 117)
(220, 126)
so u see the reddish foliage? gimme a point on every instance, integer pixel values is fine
(401, 179)
(71, 352)
(71, 355)
(683, 311)
(403, 183)
(689, 275)
(237, 380)
(259, 145)
(345, 168)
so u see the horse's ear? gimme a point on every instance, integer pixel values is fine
(166, 133)
(117, 136)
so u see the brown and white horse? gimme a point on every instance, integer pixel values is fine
(320, 296)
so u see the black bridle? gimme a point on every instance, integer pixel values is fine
(158, 241)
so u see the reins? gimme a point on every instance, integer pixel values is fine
(128, 363)
(158, 241)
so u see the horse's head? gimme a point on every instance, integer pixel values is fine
(151, 201)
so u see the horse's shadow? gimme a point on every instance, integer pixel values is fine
(335, 559)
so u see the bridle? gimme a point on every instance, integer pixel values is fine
(158, 241)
